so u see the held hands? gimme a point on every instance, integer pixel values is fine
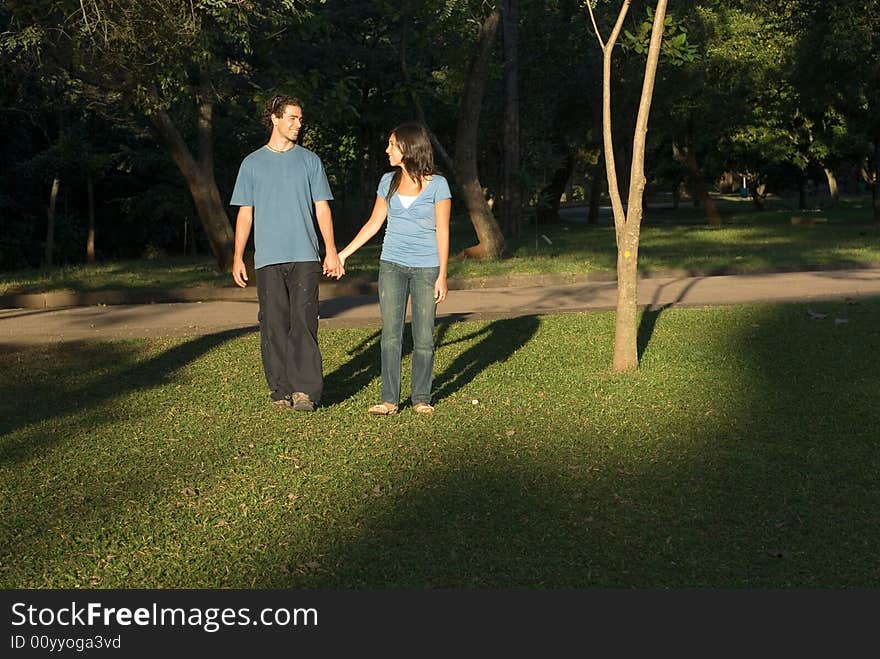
(333, 266)
(239, 273)
(440, 290)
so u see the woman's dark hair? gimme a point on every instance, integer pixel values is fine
(418, 156)
(276, 104)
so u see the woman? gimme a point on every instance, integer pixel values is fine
(416, 200)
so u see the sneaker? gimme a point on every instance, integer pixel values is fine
(280, 403)
(302, 402)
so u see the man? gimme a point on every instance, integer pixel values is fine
(280, 190)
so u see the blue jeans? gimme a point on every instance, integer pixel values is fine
(396, 284)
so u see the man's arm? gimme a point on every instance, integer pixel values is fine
(243, 224)
(332, 267)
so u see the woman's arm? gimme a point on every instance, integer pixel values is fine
(371, 228)
(442, 210)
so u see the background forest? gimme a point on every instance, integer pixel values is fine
(123, 124)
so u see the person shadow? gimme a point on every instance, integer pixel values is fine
(497, 341)
(363, 366)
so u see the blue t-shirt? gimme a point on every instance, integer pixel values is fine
(411, 234)
(283, 189)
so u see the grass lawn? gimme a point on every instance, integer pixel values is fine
(748, 241)
(745, 453)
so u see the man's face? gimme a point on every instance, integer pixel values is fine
(290, 122)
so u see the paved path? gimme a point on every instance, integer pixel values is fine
(20, 326)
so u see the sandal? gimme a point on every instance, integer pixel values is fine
(383, 409)
(423, 408)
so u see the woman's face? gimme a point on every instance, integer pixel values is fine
(395, 155)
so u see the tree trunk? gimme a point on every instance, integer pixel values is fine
(199, 177)
(833, 190)
(628, 227)
(491, 240)
(90, 238)
(549, 197)
(510, 193)
(802, 190)
(755, 189)
(50, 222)
(595, 194)
(596, 175)
(405, 20)
(626, 356)
(686, 158)
(876, 175)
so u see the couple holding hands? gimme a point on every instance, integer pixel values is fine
(280, 190)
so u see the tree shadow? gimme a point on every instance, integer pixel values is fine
(652, 312)
(49, 396)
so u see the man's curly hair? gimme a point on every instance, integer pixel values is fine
(276, 104)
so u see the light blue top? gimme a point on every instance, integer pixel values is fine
(283, 189)
(411, 234)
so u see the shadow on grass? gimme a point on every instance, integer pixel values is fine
(497, 342)
(773, 480)
(651, 314)
(362, 368)
(43, 389)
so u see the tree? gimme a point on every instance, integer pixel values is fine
(171, 61)
(510, 190)
(627, 224)
(843, 52)
(491, 240)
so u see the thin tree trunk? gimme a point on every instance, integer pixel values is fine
(50, 222)
(686, 158)
(627, 227)
(199, 177)
(757, 199)
(833, 188)
(405, 20)
(626, 356)
(595, 194)
(491, 240)
(90, 238)
(597, 178)
(802, 190)
(549, 196)
(876, 177)
(510, 194)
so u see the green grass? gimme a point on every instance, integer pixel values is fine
(163, 272)
(744, 453)
(671, 240)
